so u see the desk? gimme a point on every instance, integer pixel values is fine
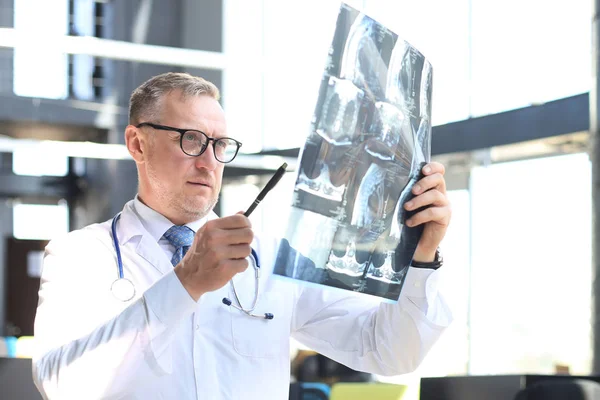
(488, 387)
(16, 381)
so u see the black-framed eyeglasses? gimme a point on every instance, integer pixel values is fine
(194, 142)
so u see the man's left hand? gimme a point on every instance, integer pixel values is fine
(430, 192)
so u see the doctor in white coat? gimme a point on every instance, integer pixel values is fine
(163, 331)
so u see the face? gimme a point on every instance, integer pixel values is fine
(181, 187)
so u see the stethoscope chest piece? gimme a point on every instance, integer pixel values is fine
(123, 289)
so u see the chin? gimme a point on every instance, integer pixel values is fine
(199, 208)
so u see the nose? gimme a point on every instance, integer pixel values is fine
(207, 159)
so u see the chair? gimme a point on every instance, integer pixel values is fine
(11, 346)
(25, 347)
(16, 380)
(571, 389)
(309, 391)
(3, 348)
(360, 391)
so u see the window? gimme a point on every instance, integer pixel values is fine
(487, 57)
(39, 221)
(271, 86)
(37, 162)
(528, 52)
(40, 69)
(531, 266)
(440, 31)
(82, 64)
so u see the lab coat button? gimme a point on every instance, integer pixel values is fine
(418, 284)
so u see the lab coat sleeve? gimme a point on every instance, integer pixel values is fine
(372, 336)
(89, 346)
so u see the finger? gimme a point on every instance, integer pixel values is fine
(431, 197)
(434, 168)
(440, 215)
(230, 222)
(238, 236)
(237, 251)
(429, 182)
(219, 237)
(236, 266)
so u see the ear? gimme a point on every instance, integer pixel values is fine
(136, 142)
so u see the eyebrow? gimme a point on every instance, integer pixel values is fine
(218, 136)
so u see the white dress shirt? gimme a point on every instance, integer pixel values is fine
(157, 224)
(164, 345)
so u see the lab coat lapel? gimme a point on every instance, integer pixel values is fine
(147, 247)
(150, 251)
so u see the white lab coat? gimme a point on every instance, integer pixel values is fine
(163, 345)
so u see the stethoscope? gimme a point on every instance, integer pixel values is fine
(124, 290)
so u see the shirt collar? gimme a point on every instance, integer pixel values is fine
(157, 224)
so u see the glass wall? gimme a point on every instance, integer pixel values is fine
(41, 70)
(528, 52)
(531, 266)
(517, 266)
(518, 252)
(40, 221)
(487, 57)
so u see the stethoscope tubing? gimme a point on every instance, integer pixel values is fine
(124, 290)
(117, 246)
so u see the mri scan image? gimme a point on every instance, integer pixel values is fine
(370, 136)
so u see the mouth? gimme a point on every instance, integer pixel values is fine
(199, 184)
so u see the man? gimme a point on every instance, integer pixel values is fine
(175, 338)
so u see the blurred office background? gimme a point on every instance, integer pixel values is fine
(511, 120)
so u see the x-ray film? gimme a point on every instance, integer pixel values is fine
(370, 135)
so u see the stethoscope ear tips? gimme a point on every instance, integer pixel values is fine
(226, 301)
(269, 315)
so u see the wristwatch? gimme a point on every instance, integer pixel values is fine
(437, 262)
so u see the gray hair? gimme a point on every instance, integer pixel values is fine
(146, 100)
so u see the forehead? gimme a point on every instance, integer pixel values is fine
(194, 112)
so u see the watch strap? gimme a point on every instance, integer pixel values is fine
(435, 264)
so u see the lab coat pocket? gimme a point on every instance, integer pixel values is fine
(260, 337)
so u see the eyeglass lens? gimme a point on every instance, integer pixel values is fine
(193, 143)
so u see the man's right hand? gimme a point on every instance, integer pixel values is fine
(218, 253)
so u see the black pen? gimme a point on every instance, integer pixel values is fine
(270, 185)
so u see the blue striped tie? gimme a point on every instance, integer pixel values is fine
(181, 237)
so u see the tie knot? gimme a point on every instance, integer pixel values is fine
(180, 236)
